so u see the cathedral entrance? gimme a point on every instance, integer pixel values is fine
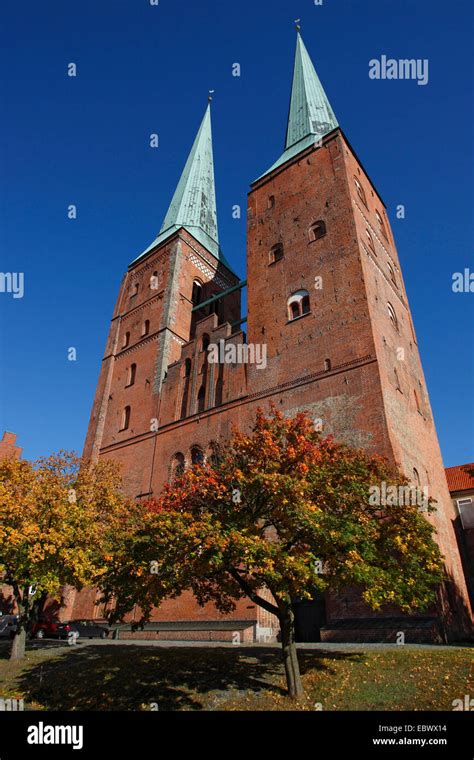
(310, 617)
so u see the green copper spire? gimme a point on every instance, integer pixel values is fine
(194, 202)
(311, 116)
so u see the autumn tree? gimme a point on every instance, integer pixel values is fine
(59, 521)
(285, 510)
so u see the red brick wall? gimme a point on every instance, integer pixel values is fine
(357, 395)
(8, 447)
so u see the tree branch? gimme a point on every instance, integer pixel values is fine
(252, 595)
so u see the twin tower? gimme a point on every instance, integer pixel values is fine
(326, 303)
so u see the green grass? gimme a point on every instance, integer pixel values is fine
(123, 677)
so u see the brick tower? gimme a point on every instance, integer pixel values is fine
(325, 297)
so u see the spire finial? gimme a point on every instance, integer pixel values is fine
(209, 96)
(297, 24)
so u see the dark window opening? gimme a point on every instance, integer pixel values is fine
(276, 253)
(317, 230)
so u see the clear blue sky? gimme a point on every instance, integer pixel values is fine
(144, 69)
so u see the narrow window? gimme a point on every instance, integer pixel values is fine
(397, 381)
(186, 381)
(177, 466)
(381, 223)
(146, 327)
(154, 281)
(201, 399)
(131, 374)
(417, 402)
(134, 290)
(392, 315)
(317, 230)
(327, 364)
(276, 253)
(391, 272)
(219, 389)
(205, 342)
(416, 477)
(271, 201)
(125, 418)
(370, 241)
(360, 191)
(214, 307)
(126, 340)
(197, 293)
(295, 310)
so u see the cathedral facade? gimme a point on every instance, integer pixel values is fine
(328, 315)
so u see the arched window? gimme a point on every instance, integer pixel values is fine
(205, 342)
(271, 201)
(154, 281)
(177, 466)
(327, 364)
(416, 477)
(276, 253)
(187, 368)
(125, 418)
(126, 340)
(197, 455)
(298, 304)
(131, 374)
(360, 191)
(317, 230)
(392, 315)
(134, 290)
(197, 292)
(146, 327)
(369, 241)
(391, 272)
(201, 397)
(381, 223)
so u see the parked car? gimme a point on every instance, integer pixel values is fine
(8, 626)
(46, 629)
(89, 629)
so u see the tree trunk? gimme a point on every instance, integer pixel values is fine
(17, 651)
(290, 656)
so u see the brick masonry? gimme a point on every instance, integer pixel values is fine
(352, 361)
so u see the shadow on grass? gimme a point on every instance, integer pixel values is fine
(131, 678)
(31, 645)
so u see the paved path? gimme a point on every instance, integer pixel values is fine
(54, 643)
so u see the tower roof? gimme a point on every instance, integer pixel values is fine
(310, 117)
(193, 205)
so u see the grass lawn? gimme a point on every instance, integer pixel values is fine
(125, 677)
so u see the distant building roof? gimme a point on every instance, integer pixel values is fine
(459, 479)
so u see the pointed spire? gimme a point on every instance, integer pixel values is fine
(194, 202)
(310, 110)
(311, 116)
